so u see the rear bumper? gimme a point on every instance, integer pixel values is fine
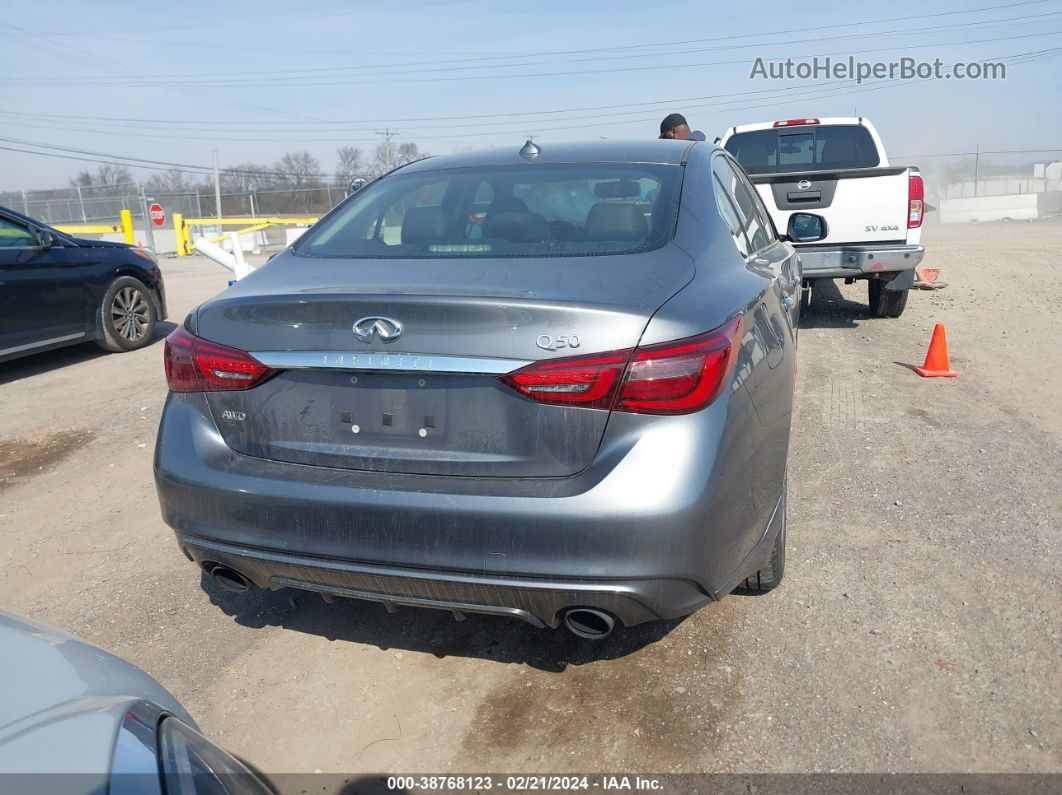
(539, 602)
(836, 262)
(651, 530)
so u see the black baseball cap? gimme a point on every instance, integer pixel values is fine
(670, 122)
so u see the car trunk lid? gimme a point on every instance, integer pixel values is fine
(428, 402)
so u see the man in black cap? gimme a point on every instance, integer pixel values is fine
(674, 126)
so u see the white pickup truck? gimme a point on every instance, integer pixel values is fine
(837, 168)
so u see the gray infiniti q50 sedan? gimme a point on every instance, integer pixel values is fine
(552, 382)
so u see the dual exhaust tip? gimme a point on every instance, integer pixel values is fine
(584, 622)
(227, 579)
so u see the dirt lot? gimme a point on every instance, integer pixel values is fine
(919, 627)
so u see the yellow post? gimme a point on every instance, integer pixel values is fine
(127, 226)
(178, 234)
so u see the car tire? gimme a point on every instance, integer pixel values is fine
(770, 576)
(885, 303)
(805, 294)
(126, 316)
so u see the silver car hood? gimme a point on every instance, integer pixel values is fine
(62, 701)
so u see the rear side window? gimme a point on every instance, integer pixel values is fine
(725, 202)
(755, 227)
(812, 148)
(506, 211)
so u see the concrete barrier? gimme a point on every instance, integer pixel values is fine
(989, 208)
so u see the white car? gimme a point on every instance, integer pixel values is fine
(837, 168)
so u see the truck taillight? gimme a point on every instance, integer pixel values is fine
(194, 364)
(795, 122)
(677, 377)
(915, 201)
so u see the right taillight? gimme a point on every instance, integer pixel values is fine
(915, 201)
(194, 364)
(677, 377)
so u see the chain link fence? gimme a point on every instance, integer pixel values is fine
(78, 205)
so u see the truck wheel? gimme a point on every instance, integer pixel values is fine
(770, 576)
(886, 303)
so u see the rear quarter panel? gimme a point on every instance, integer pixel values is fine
(748, 469)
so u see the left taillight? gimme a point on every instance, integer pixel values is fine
(194, 364)
(677, 377)
(916, 193)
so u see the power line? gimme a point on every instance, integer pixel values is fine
(117, 68)
(510, 56)
(141, 162)
(199, 124)
(78, 154)
(585, 72)
(199, 172)
(298, 77)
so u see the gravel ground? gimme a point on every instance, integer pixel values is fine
(918, 628)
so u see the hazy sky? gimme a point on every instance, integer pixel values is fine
(254, 80)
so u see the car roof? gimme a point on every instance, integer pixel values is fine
(664, 152)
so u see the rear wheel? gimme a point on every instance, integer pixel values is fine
(770, 576)
(885, 303)
(127, 316)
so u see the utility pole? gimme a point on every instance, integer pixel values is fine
(388, 134)
(217, 187)
(977, 166)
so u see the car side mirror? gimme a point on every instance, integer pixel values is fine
(806, 228)
(46, 239)
(357, 184)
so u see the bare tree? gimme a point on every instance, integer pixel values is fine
(386, 156)
(247, 177)
(170, 181)
(106, 178)
(350, 163)
(298, 170)
(408, 153)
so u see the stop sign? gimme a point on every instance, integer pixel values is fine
(157, 214)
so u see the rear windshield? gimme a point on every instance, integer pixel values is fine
(811, 148)
(509, 211)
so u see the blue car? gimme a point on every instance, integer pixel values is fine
(57, 290)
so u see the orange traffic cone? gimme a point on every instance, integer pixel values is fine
(936, 365)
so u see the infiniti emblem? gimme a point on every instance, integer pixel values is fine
(382, 328)
(804, 184)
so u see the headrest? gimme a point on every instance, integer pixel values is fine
(424, 225)
(516, 227)
(618, 189)
(507, 204)
(616, 222)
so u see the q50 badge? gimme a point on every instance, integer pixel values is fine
(548, 343)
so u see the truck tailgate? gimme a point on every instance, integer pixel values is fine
(865, 205)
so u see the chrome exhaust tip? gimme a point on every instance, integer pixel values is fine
(588, 623)
(228, 579)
